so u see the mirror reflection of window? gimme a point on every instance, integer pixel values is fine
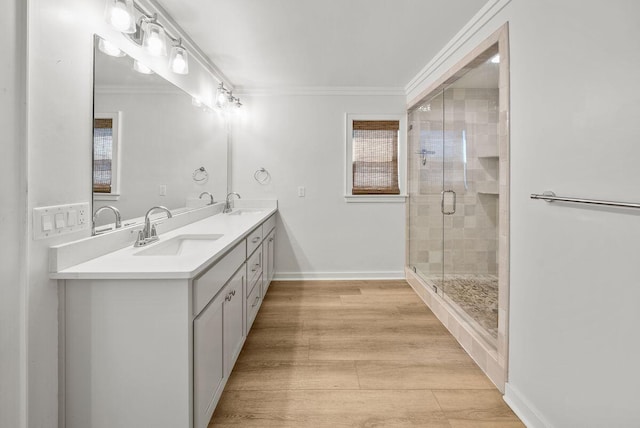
(105, 153)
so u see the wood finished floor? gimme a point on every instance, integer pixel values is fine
(355, 354)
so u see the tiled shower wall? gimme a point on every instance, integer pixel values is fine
(454, 138)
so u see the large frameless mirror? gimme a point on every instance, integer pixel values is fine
(153, 144)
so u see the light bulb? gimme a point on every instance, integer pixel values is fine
(221, 97)
(109, 48)
(141, 68)
(495, 59)
(120, 15)
(154, 40)
(178, 60)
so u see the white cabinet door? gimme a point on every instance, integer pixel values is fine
(208, 369)
(269, 260)
(233, 314)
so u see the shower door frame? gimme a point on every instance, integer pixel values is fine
(493, 361)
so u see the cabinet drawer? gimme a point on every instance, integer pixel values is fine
(268, 225)
(254, 239)
(254, 268)
(253, 304)
(212, 281)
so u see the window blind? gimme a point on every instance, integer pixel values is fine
(375, 157)
(102, 155)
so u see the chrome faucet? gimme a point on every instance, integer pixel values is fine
(99, 210)
(210, 196)
(149, 233)
(227, 205)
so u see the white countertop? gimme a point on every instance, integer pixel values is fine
(125, 264)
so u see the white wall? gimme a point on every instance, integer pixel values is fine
(575, 102)
(12, 215)
(300, 140)
(59, 112)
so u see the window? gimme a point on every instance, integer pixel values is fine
(374, 172)
(105, 155)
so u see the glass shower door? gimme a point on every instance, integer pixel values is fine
(425, 181)
(470, 203)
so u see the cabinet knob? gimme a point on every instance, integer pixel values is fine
(256, 302)
(256, 239)
(271, 239)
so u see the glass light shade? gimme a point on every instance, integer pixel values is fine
(221, 97)
(178, 60)
(155, 41)
(109, 48)
(495, 59)
(120, 15)
(141, 68)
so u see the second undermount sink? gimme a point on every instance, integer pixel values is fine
(180, 244)
(246, 211)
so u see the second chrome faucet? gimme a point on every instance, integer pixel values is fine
(227, 205)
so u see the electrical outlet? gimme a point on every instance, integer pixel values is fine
(82, 214)
(301, 191)
(163, 190)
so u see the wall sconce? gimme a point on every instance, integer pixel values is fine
(224, 97)
(147, 32)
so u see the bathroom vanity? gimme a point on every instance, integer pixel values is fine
(151, 334)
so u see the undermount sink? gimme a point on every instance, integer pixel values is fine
(179, 245)
(245, 211)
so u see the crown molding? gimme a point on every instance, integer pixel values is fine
(321, 91)
(484, 15)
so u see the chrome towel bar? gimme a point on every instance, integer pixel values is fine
(550, 197)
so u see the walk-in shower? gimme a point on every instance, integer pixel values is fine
(453, 139)
(457, 151)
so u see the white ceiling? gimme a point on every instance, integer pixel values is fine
(321, 43)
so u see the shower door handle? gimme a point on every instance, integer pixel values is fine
(442, 202)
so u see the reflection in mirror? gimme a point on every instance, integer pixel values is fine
(150, 142)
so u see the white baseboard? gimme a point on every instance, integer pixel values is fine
(318, 276)
(523, 408)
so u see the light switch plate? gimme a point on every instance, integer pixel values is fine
(72, 218)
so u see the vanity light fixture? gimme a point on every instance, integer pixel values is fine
(141, 68)
(109, 48)
(178, 59)
(119, 13)
(147, 32)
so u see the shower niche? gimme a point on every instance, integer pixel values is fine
(457, 217)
